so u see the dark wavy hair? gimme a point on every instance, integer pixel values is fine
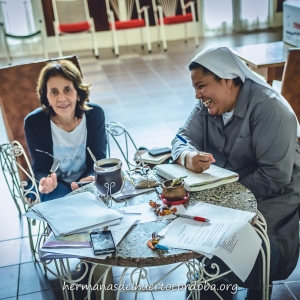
(70, 72)
(193, 65)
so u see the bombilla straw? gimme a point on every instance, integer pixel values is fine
(92, 156)
(55, 164)
(44, 152)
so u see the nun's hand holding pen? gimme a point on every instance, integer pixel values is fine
(193, 159)
(198, 162)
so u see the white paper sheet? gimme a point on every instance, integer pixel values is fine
(218, 213)
(147, 214)
(118, 232)
(236, 243)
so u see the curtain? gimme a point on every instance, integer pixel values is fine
(18, 18)
(229, 16)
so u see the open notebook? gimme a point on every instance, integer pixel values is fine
(210, 178)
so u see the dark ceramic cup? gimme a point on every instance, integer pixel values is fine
(108, 175)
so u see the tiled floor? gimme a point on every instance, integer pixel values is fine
(151, 95)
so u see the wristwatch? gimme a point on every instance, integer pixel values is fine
(182, 160)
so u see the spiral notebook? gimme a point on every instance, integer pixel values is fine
(194, 182)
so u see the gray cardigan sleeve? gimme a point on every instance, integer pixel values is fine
(192, 131)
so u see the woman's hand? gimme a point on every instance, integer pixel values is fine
(74, 185)
(48, 184)
(198, 163)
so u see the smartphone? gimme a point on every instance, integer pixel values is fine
(159, 151)
(102, 242)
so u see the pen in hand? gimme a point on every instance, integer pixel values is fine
(83, 183)
(187, 143)
(196, 218)
(211, 159)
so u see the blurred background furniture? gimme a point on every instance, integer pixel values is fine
(122, 17)
(35, 28)
(290, 83)
(73, 17)
(18, 98)
(165, 14)
(291, 80)
(266, 59)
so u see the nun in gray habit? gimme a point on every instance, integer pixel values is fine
(244, 125)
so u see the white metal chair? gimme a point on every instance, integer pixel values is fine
(22, 185)
(165, 14)
(32, 32)
(125, 20)
(73, 17)
(117, 132)
(20, 89)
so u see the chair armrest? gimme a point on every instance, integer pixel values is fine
(111, 18)
(144, 8)
(190, 3)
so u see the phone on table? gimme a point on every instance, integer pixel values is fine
(102, 242)
(159, 151)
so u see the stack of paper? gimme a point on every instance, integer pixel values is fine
(71, 241)
(76, 213)
(118, 231)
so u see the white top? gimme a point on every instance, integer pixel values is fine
(69, 148)
(227, 116)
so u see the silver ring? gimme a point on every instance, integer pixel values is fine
(203, 169)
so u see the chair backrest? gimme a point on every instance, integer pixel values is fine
(10, 156)
(291, 80)
(70, 11)
(169, 7)
(18, 97)
(123, 143)
(123, 13)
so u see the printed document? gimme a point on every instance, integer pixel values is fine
(215, 212)
(229, 236)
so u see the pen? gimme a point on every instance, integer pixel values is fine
(196, 218)
(82, 183)
(186, 142)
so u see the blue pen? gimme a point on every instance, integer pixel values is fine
(161, 247)
(186, 142)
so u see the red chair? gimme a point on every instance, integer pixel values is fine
(165, 14)
(73, 17)
(125, 20)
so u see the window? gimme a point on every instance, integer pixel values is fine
(227, 16)
(17, 16)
